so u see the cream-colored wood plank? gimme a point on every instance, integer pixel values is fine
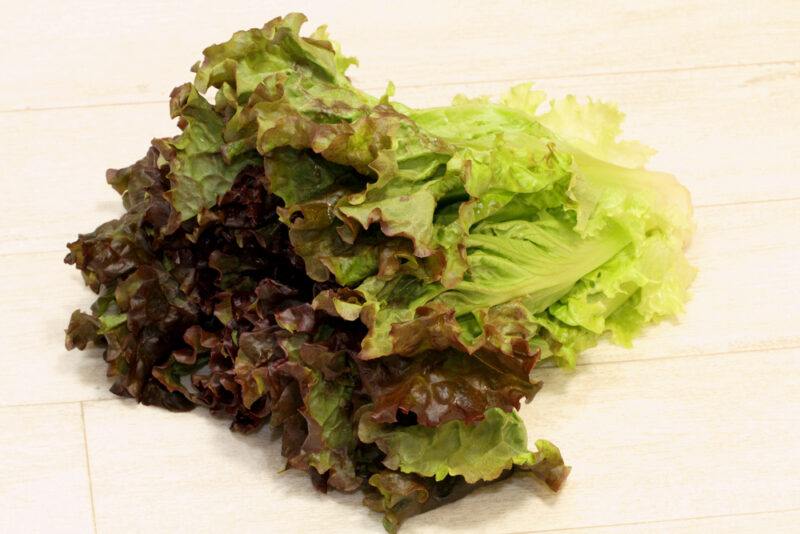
(654, 441)
(44, 483)
(159, 472)
(728, 134)
(771, 522)
(92, 52)
(52, 198)
(39, 294)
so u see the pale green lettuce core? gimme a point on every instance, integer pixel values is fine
(561, 225)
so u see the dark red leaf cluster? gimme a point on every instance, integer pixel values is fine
(215, 311)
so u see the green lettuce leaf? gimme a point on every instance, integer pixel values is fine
(552, 244)
(400, 496)
(482, 451)
(199, 173)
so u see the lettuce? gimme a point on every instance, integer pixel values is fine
(478, 452)
(375, 282)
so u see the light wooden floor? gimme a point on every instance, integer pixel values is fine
(696, 429)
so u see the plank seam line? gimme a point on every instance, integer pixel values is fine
(55, 403)
(88, 468)
(532, 78)
(792, 346)
(745, 202)
(659, 521)
(665, 70)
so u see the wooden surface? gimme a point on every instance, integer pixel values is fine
(696, 429)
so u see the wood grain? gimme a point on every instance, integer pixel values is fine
(112, 52)
(43, 292)
(780, 522)
(648, 441)
(655, 440)
(739, 159)
(202, 478)
(44, 483)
